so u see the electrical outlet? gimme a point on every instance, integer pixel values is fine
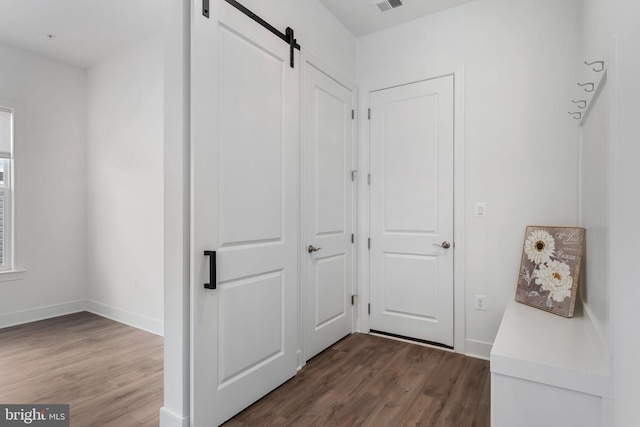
(480, 302)
(480, 210)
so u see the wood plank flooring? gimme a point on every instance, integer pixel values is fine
(365, 380)
(109, 373)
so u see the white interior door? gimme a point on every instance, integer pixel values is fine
(411, 211)
(328, 208)
(245, 156)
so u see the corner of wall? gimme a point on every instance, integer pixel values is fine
(478, 349)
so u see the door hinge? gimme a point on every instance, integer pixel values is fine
(353, 238)
(353, 114)
(354, 174)
(205, 8)
(369, 308)
(369, 179)
(369, 243)
(369, 113)
(353, 299)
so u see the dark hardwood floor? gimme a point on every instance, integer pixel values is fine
(109, 373)
(365, 380)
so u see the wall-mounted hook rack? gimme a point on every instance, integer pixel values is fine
(597, 69)
(581, 104)
(588, 87)
(576, 115)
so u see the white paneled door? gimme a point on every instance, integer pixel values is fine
(328, 210)
(245, 157)
(411, 210)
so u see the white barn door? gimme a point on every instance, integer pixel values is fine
(328, 210)
(411, 211)
(245, 157)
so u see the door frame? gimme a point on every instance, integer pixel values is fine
(308, 58)
(459, 302)
(177, 207)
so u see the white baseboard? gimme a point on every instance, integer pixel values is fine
(478, 349)
(128, 318)
(40, 313)
(169, 418)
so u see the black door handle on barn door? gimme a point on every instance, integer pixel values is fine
(212, 270)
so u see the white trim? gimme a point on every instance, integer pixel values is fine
(40, 313)
(17, 110)
(177, 189)
(459, 299)
(12, 275)
(48, 312)
(362, 232)
(614, 91)
(478, 349)
(127, 317)
(7, 193)
(302, 223)
(316, 62)
(169, 418)
(459, 209)
(313, 61)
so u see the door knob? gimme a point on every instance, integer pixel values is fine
(311, 249)
(444, 245)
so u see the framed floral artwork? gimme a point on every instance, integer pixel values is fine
(550, 268)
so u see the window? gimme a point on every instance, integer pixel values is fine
(6, 190)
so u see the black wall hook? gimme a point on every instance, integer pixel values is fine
(598, 69)
(588, 87)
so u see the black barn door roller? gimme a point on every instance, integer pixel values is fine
(288, 36)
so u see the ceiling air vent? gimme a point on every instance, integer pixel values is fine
(388, 4)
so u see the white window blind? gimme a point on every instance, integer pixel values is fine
(6, 132)
(3, 197)
(6, 190)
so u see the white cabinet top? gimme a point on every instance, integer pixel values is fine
(542, 347)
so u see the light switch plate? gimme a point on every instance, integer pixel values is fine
(480, 210)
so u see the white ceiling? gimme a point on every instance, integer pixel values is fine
(89, 31)
(86, 31)
(363, 16)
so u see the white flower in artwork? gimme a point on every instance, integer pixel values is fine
(555, 277)
(539, 246)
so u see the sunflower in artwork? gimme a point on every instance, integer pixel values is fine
(539, 246)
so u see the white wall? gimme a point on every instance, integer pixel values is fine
(611, 33)
(595, 192)
(625, 210)
(50, 186)
(125, 186)
(596, 169)
(521, 64)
